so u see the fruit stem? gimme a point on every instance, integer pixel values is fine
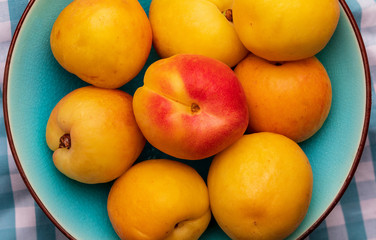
(228, 14)
(65, 141)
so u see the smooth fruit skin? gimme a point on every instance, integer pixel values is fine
(159, 199)
(285, 30)
(190, 106)
(195, 27)
(290, 98)
(105, 138)
(260, 187)
(104, 42)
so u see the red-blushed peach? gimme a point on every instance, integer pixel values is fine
(190, 106)
(289, 98)
(94, 135)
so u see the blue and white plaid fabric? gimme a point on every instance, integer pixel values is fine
(20, 216)
(353, 218)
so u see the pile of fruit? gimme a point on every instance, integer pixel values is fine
(238, 83)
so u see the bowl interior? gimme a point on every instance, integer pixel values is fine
(36, 82)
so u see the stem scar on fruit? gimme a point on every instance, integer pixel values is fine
(195, 108)
(228, 14)
(65, 141)
(278, 63)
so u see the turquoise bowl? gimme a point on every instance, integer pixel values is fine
(34, 82)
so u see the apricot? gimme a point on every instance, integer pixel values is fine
(196, 27)
(104, 43)
(159, 199)
(285, 30)
(290, 98)
(260, 187)
(93, 134)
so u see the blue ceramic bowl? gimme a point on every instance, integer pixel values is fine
(34, 82)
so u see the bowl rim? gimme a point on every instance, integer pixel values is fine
(363, 138)
(304, 234)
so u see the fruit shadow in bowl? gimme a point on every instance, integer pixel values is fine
(34, 82)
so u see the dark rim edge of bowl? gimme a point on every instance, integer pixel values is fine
(7, 123)
(307, 232)
(365, 123)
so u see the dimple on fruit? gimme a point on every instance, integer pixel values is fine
(260, 187)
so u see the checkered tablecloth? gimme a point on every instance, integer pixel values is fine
(353, 218)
